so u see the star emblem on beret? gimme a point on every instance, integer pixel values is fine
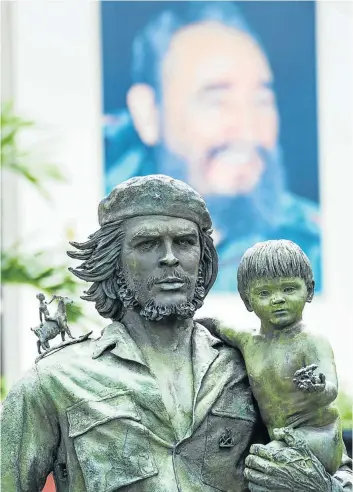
(157, 196)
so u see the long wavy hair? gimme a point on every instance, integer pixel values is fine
(102, 266)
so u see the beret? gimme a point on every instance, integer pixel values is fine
(155, 194)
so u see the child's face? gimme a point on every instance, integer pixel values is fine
(279, 301)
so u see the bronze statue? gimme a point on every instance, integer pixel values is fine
(43, 307)
(275, 281)
(156, 403)
(54, 325)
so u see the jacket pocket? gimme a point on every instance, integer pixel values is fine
(230, 425)
(112, 446)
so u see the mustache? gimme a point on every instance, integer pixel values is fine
(175, 273)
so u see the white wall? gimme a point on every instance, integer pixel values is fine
(57, 83)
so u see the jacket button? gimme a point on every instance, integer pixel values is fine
(177, 451)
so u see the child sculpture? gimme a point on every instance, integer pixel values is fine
(43, 308)
(275, 281)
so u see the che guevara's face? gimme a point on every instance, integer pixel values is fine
(160, 259)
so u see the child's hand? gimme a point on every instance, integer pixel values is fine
(307, 381)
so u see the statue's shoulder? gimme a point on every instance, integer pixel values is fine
(316, 342)
(52, 364)
(77, 347)
(213, 327)
(212, 324)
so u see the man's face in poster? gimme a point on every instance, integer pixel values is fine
(216, 112)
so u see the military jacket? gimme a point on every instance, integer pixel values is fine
(93, 414)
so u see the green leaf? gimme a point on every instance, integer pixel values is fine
(3, 389)
(18, 267)
(19, 162)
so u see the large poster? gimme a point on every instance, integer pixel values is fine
(223, 96)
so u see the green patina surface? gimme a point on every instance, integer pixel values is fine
(157, 404)
(274, 353)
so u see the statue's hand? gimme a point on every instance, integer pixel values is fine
(307, 381)
(292, 468)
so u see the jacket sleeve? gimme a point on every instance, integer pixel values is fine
(29, 437)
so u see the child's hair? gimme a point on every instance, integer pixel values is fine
(273, 259)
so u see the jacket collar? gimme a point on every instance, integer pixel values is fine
(116, 337)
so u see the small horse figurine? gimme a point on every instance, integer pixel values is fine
(53, 325)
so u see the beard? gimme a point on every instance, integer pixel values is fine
(156, 312)
(238, 215)
(153, 311)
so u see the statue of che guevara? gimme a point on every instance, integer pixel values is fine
(156, 403)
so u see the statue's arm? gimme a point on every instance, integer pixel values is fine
(327, 366)
(29, 437)
(231, 336)
(324, 385)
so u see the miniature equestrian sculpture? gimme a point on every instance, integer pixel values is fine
(53, 325)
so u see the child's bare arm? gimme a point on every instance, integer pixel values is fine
(319, 356)
(231, 336)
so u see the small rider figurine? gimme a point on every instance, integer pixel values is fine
(43, 308)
